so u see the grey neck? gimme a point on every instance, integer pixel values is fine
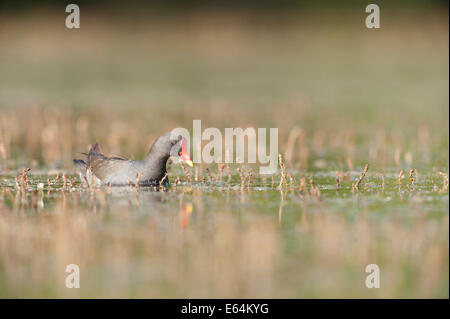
(155, 166)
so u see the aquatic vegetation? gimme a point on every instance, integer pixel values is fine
(210, 238)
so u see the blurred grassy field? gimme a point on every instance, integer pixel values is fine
(139, 78)
(344, 94)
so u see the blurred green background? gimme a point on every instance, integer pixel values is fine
(141, 69)
(340, 94)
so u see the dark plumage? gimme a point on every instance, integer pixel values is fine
(118, 171)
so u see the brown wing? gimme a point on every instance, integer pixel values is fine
(103, 166)
(107, 167)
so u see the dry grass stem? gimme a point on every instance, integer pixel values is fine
(361, 177)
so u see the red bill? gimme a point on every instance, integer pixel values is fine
(184, 154)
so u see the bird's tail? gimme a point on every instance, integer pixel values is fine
(80, 165)
(95, 153)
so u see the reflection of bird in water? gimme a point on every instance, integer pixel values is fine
(118, 171)
(186, 211)
(145, 200)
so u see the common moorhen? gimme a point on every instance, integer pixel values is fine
(118, 171)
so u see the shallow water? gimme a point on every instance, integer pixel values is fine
(220, 239)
